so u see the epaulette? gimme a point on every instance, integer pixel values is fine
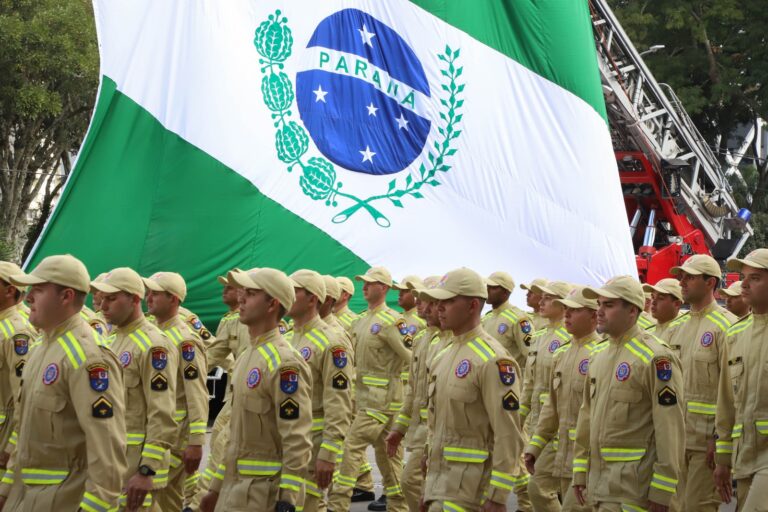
(740, 325)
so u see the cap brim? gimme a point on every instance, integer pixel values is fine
(223, 280)
(543, 289)
(649, 288)
(594, 293)
(401, 287)
(367, 279)
(151, 285)
(736, 264)
(242, 280)
(439, 294)
(730, 293)
(570, 304)
(675, 271)
(26, 280)
(104, 287)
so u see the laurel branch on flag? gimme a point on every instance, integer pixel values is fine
(274, 42)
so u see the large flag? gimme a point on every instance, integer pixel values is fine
(420, 135)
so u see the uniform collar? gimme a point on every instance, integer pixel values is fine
(269, 336)
(129, 328)
(345, 310)
(314, 322)
(554, 324)
(67, 325)
(470, 335)
(502, 307)
(169, 323)
(633, 332)
(8, 311)
(707, 310)
(586, 339)
(380, 307)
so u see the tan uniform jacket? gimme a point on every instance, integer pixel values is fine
(476, 433)
(538, 321)
(231, 339)
(699, 340)
(661, 331)
(347, 318)
(332, 374)
(191, 391)
(538, 370)
(16, 338)
(630, 435)
(72, 423)
(194, 323)
(413, 324)
(271, 418)
(95, 320)
(743, 421)
(150, 366)
(645, 320)
(512, 328)
(414, 410)
(558, 416)
(382, 345)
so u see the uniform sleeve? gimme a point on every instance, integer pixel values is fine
(725, 400)
(669, 424)
(501, 402)
(337, 402)
(159, 386)
(525, 401)
(219, 351)
(407, 413)
(101, 416)
(546, 429)
(195, 373)
(400, 343)
(581, 446)
(523, 338)
(7, 356)
(294, 423)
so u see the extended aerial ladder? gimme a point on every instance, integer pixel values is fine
(678, 199)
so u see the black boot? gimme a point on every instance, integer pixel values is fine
(380, 504)
(361, 495)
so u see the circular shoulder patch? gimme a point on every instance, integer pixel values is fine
(306, 353)
(125, 359)
(375, 328)
(463, 368)
(50, 374)
(554, 345)
(707, 338)
(254, 377)
(622, 372)
(584, 366)
(502, 328)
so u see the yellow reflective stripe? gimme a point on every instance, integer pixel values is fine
(219, 474)
(482, 349)
(555, 443)
(381, 418)
(719, 320)
(192, 480)
(762, 426)
(345, 481)
(270, 354)
(393, 490)
(175, 334)
(639, 349)
(179, 414)
(423, 414)
(509, 315)
(4, 329)
(723, 446)
(457, 454)
(395, 406)
(161, 478)
(543, 397)
(7, 477)
(375, 381)
(404, 375)
(738, 429)
(153, 451)
(680, 320)
(562, 334)
(702, 408)
(599, 348)
(644, 322)
(572, 434)
(580, 465)
(14, 438)
(93, 504)
(323, 339)
(524, 410)
(72, 348)
(502, 480)
(311, 488)
(622, 454)
(332, 446)
(197, 427)
(83, 315)
(252, 467)
(122, 501)
(664, 483)
(449, 506)
(32, 476)
(625, 507)
(292, 482)
(538, 441)
(318, 424)
(403, 420)
(141, 339)
(740, 326)
(386, 317)
(175, 461)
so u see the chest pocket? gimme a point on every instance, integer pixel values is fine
(736, 369)
(621, 403)
(256, 419)
(705, 366)
(47, 421)
(463, 398)
(131, 378)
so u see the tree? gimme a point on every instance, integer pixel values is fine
(49, 71)
(716, 60)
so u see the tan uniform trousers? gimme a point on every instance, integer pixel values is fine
(752, 493)
(696, 491)
(313, 497)
(570, 503)
(133, 456)
(172, 496)
(365, 431)
(413, 479)
(218, 445)
(543, 488)
(248, 494)
(33, 498)
(443, 506)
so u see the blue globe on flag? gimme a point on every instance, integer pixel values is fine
(365, 99)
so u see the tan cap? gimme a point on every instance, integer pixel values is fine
(8, 269)
(121, 279)
(274, 282)
(756, 259)
(311, 281)
(732, 291)
(63, 269)
(409, 283)
(376, 275)
(428, 283)
(557, 288)
(346, 285)
(462, 281)
(332, 288)
(170, 282)
(501, 279)
(536, 282)
(223, 279)
(621, 287)
(697, 265)
(668, 286)
(576, 300)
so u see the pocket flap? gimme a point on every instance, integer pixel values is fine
(48, 402)
(257, 404)
(626, 395)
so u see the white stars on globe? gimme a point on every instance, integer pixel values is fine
(371, 109)
(366, 36)
(367, 154)
(402, 123)
(320, 94)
